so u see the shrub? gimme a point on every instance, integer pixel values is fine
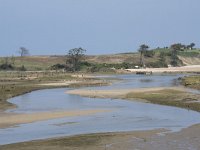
(22, 68)
(57, 67)
(149, 53)
(6, 67)
(157, 64)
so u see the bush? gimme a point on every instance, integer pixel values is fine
(189, 54)
(149, 53)
(6, 67)
(57, 67)
(107, 67)
(22, 68)
(157, 64)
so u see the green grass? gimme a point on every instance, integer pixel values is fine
(190, 53)
(192, 82)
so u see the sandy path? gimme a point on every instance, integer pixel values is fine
(64, 83)
(7, 120)
(192, 68)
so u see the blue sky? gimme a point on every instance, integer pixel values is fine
(100, 26)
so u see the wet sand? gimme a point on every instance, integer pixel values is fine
(9, 119)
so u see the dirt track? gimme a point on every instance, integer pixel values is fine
(192, 68)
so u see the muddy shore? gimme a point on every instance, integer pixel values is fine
(187, 139)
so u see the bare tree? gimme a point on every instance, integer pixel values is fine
(23, 51)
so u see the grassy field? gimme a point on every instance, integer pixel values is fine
(37, 63)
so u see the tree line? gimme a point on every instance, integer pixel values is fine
(175, 48)
(75, 57)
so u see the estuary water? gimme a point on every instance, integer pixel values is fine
(124, 115)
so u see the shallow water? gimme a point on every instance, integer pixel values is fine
(125, 115)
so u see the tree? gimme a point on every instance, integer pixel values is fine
(74, 58)
(143, 48)
(192, 45)
(23, 51)
(174, 58)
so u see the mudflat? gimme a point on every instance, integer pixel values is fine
(139, 140)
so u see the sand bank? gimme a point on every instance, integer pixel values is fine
(119, 93)
(8, 119)
(76, 83)
(60, 83)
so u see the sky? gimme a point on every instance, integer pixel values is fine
(52, 27)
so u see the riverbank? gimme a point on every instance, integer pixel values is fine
(142, 140)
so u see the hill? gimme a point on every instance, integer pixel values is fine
(187, 57)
